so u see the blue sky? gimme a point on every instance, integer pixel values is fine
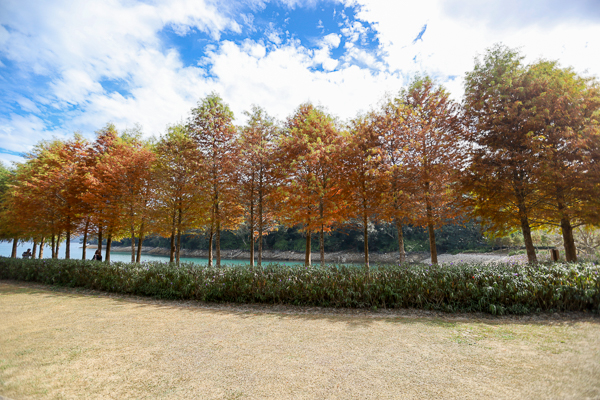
(71, 65)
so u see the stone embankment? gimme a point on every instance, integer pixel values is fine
(341, 257)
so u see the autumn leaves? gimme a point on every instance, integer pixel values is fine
(521, 152)
(535, 136)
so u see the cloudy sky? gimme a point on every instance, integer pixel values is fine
(72, 65)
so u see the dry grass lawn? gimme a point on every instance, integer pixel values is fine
(69, 344)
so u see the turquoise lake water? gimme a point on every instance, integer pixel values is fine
(76, 249)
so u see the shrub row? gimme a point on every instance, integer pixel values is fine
(495, 289)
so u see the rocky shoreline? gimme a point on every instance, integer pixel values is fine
(341, 257)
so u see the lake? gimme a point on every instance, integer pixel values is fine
(6, 249)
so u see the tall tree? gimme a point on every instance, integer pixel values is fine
(108, 194)
(394, 140)
(364, 171)
(257, 145)
(211, 127)
(433, 127)
(309, 149)
(500, 181)
(564, 114)
(181, 191)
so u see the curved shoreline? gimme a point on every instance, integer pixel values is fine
(341, 257)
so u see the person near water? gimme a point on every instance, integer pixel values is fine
(97, 255)
(27, 254)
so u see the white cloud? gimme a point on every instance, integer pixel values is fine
(80, 45)
(26, 104)
(453, 38)
(331, 41)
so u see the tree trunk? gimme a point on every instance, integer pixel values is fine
(178, 235)
(41, 254)
(322, 245)
(14, 248)
(68, 244)
(526, 229)
(321, 235)
(260, 227)
(210, 247)
(139, 248)
(108, 244)
(307, 260)
(100, 238)
(568, 239)
(172, 251)
(132, 233)
(53, 244)
(57, 246)
(366, 237)
(85, 238)
(401, 252)
(432, 246)
(218, 235)
(178, 251)
(35, 245)
(260, 231)
(524, 219)
(218, 243)
(252, 230)
(566, 228)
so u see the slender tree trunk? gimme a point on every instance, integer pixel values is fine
(57, 245)
(85, 238)
(322, 234)
(401, 252)
(172, 251)
(108, 244)
(322, 244)
(53, 246)
(68, 244)
(178, 252)
(432, 246)
(139, 248)
(218, 243)
(366, 237)
(524, 219)
(252, 230)
(178, 234)
(568, 239)
(100, 239)
(566, 228)
(307, 260)
(398, 221)
(132, 234)
(260, 227)
(41, 254)
(218, 235)
(210, 247)
(14, 248)
(35, 245)
(526, 229)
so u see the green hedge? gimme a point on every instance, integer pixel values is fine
(495, 289)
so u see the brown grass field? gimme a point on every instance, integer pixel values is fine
(76, 344)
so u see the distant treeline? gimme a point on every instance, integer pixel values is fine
(383, 238)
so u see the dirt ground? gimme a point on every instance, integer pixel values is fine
(72, 344)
